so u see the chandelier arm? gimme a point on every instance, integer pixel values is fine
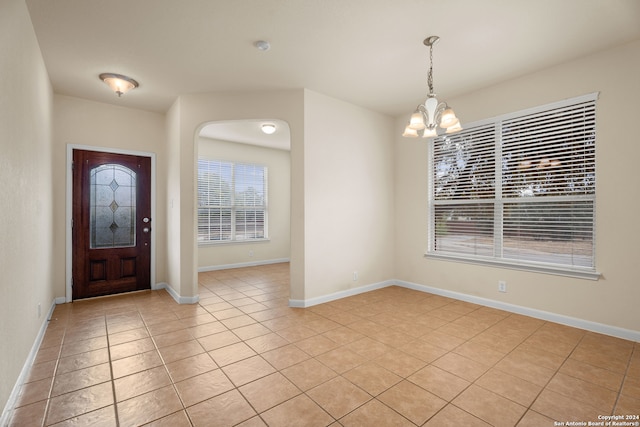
(422, 110)
(441, 107)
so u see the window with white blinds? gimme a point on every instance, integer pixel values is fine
(518, 190)
(232, 201)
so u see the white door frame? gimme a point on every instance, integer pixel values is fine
(69, 210)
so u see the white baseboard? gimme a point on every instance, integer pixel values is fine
(298, 303)
(179, 299)
(242, 264)
(13, 397)
(588, 325)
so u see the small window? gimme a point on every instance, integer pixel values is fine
(232, 201)
(518, 190)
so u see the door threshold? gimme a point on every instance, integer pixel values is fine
(112, 295)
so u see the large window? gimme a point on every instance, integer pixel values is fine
(518, 190)
(232, 201)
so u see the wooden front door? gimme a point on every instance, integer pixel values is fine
(111, 223)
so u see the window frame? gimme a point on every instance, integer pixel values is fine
(233, 207)
(498, 201)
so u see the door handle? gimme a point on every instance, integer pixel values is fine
(146, 229)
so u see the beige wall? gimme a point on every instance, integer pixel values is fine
(184, 121)
(79, 122)
(26, 191)
(279, 204)
(341, 186)
(349, 214)
(171, 163)
(612, 300)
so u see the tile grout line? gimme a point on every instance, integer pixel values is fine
(55, 371)
(542, 388)
(164, 365)
(302, 392)
(624, 379)
(450, 402)
(113, 380)
(372, 397)
(259, 414)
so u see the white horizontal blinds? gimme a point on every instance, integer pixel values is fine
(464, 228)
(550, 153)
(519, 190)
(463, 168)
(215, 184)
(250, 201)
(552, 232)
(232, 201)
(548, 183)
(464, 165)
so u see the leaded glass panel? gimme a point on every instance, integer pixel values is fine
(112, 207)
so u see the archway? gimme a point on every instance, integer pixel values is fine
(234, 145)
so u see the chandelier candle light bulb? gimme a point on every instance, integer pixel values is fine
(431, 115)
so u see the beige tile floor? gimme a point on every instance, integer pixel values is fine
(391, 357)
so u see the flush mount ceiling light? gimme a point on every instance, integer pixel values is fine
(262, 45)
(268, 128)
(118, 83)
(433, 114)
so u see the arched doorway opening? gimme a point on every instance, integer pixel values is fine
(241, 223)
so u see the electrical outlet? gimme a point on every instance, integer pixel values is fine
(502, 286)
(355, 276)
(250, 254)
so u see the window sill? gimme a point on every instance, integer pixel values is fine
(233, 242)
(587, 274)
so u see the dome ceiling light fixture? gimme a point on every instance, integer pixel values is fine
(262, 45)
(433, 114)
(268, 128)
(118, 83)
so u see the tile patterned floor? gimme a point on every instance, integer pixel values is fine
(391, 357)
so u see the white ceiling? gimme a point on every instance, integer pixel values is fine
(250, 132)
(367, 52)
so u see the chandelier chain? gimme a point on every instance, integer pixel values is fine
(430, 76)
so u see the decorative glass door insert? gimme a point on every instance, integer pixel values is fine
(113, 207)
